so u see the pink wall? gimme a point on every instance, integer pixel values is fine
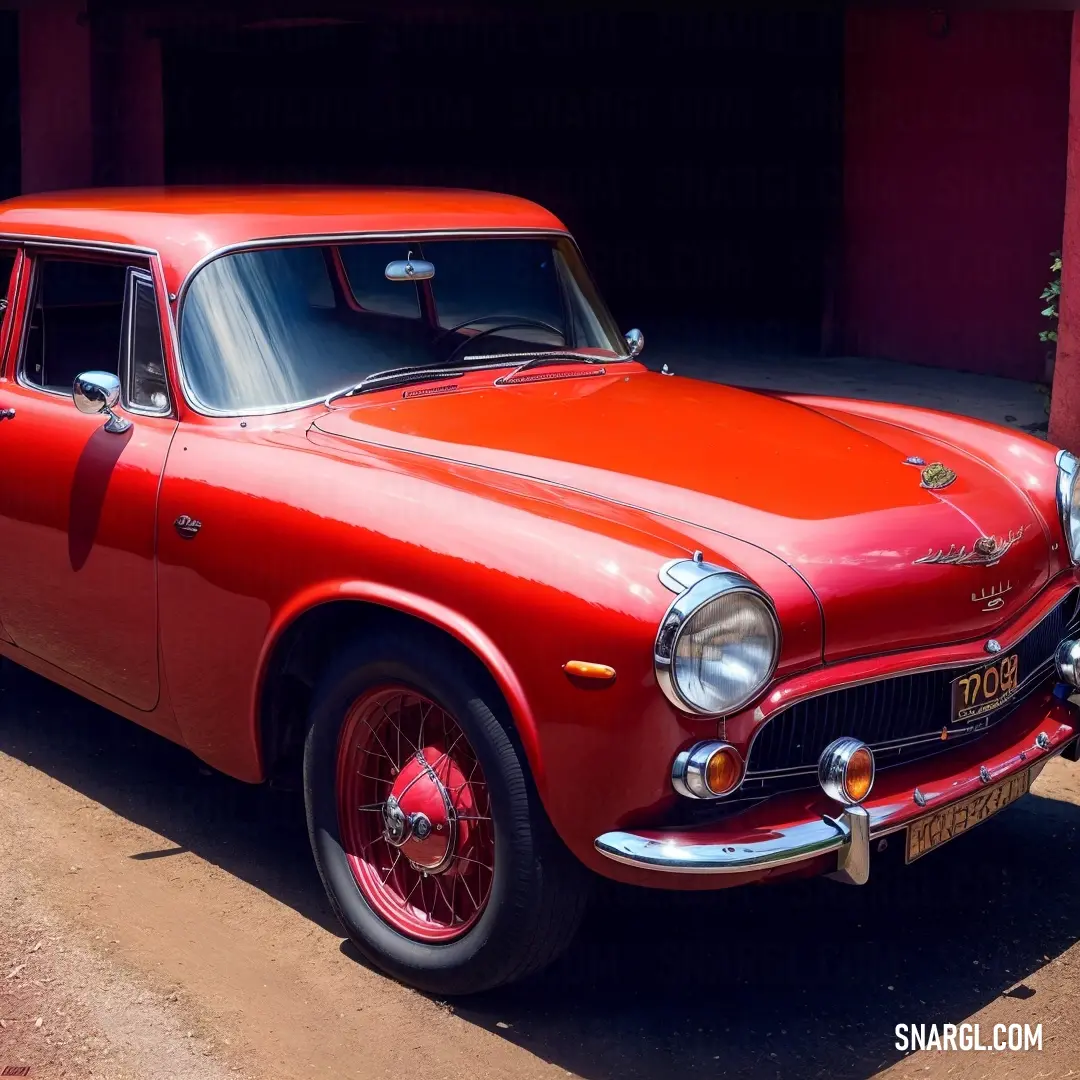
(90, 97)
(954, 185)
(1065, 399)
(54, 96)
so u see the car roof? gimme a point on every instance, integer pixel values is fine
(186, 224)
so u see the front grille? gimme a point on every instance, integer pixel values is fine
(901, 718)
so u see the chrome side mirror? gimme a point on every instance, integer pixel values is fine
(635, 341)
(410, 269)
(99, 392)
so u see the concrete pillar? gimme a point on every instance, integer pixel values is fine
(55, 95)
(1065, 397)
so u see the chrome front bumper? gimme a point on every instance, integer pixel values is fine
(849, 834)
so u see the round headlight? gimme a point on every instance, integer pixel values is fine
(1068, 494)
(718, 645)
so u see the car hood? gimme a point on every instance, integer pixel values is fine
(835, 500)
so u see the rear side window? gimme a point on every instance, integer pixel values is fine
(76, 322)
(96, 316)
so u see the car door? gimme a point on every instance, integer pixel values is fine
(77, 499)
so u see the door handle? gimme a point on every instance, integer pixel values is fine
(7, 414)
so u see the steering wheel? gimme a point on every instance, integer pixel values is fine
(503, 325)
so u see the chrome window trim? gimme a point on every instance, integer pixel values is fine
(314, 240)
(31, 247)
(7, 316)
(137, 276)
(104, 247)
(717, 582)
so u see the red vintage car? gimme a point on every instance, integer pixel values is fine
(366, 484)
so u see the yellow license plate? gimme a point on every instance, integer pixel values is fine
(985, 690)
(931, 832)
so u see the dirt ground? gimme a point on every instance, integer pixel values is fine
(158, 920)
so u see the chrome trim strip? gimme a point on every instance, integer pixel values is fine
(313, 240)
(108, 247)
(1067, 465)
(799, 842)
(136, 277)
(8, 315)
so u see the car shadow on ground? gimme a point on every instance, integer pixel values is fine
(806, 979)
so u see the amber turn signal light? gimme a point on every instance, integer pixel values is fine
(707, 770)
(859, 775)
(846, 771)
(722, 770)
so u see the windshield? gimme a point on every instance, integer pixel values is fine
(275, 327)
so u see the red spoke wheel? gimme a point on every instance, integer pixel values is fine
(430, 839)
(414, 814)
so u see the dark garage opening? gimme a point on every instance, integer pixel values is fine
(695, 155)
(9, 104)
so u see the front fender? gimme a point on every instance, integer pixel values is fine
(445, 618)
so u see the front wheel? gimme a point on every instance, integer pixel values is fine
(434, 853)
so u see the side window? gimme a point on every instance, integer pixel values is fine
(144, 381)
(76, 322)
(365, 267)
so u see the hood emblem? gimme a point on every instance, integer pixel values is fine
(937, 476)
(934, 476)
(986, 551)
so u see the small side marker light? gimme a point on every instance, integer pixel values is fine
(583, 669)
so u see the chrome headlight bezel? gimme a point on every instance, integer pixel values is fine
(1068, 481)
(711, 582)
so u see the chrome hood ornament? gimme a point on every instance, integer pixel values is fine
(934, 476)
(986, 551)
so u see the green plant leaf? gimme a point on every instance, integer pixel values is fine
(1055, 266)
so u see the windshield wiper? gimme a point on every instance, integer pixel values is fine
(542, 356)
(540, 359)
(402, 376)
